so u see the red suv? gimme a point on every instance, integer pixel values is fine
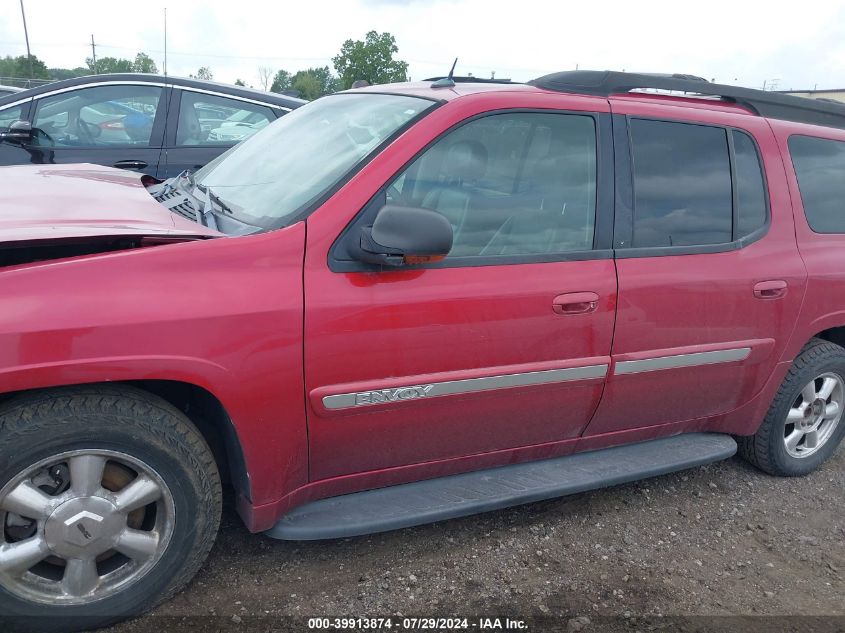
(406, 303)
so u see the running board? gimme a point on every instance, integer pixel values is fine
(455, 496)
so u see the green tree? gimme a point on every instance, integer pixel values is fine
(144, 64)
(281, 81)
(68, 73)
(314, 82)
(19, 67)
(370, 59)
(109, 65)
(203, 73)
(239, 82)
(307, 85)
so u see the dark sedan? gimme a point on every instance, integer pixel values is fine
(150, 123)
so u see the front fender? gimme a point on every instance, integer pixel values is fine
(225, 315)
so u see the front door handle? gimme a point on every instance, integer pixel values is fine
(130, 164)
(575, 303)
(771, 289)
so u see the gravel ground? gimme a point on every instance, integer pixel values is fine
(722, 540)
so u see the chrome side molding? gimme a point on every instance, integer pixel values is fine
(681, 360)
(469, 385)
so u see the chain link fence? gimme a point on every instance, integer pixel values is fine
(23, 82)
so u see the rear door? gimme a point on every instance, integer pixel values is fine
(505, 343)
(710, 279)
(202, 126)
(118, 125)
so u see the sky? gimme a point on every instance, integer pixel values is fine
(796, 45)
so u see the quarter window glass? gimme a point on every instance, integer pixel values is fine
(820, 167)
(102, 116)
(510, 184)
(209, 120)
(682, 184)
(750, 188)
(10, 115)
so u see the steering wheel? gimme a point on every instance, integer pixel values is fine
(85, 129)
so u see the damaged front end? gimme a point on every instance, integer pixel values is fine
(20, 253)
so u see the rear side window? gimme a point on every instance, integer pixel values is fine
(687, 192)
(682, 184)
(820, 167)
(750, 187)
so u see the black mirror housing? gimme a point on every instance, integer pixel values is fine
(18, 131)
(406, 235)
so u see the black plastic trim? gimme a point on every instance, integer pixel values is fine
(763, 103)
(453, 496)
(624, 228)
(603, 229)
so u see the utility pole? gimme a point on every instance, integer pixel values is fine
(26, 37)
(94, 55)
(165, 41)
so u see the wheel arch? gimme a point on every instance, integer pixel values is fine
(833, 335)
(204, 410)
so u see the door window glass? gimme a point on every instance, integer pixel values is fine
(210, 120)
(682, 184)
(10, 115)
(820, 167)
(511, 184)
(100, 116)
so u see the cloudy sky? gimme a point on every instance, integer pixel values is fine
(799, 44)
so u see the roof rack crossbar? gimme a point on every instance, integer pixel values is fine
(766, 104)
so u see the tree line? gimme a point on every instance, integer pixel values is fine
(371, 59)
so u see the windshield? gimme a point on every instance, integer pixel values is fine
(287, 166)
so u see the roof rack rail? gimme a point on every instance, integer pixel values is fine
(766, 104)
(472, 80)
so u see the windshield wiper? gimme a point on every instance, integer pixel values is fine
(211, 199)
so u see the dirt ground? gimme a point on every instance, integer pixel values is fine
(722, 540)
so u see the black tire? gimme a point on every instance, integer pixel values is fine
(765, 449)
(35, 426)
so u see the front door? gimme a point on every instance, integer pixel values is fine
(710, 280)
(113, 125)
(503, 344)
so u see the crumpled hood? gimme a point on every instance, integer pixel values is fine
(45, 202)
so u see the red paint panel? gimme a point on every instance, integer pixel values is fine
(224, 314)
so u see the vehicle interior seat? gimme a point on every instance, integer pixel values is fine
(189, 131)
(552, 213)
(464, 165)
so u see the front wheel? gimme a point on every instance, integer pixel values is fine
(109, 502)
(804, 424)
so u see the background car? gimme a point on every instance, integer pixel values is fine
(7, 90)
(242, 124)
(149, 123)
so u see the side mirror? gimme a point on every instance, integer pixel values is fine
(406, 235)
(18, 131)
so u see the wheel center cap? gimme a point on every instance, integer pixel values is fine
(83, 527)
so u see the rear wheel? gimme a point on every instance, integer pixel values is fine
(109, 502)
(804, 424)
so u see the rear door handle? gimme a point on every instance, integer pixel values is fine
(771, 289)
(575, 303)
(130, 164)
